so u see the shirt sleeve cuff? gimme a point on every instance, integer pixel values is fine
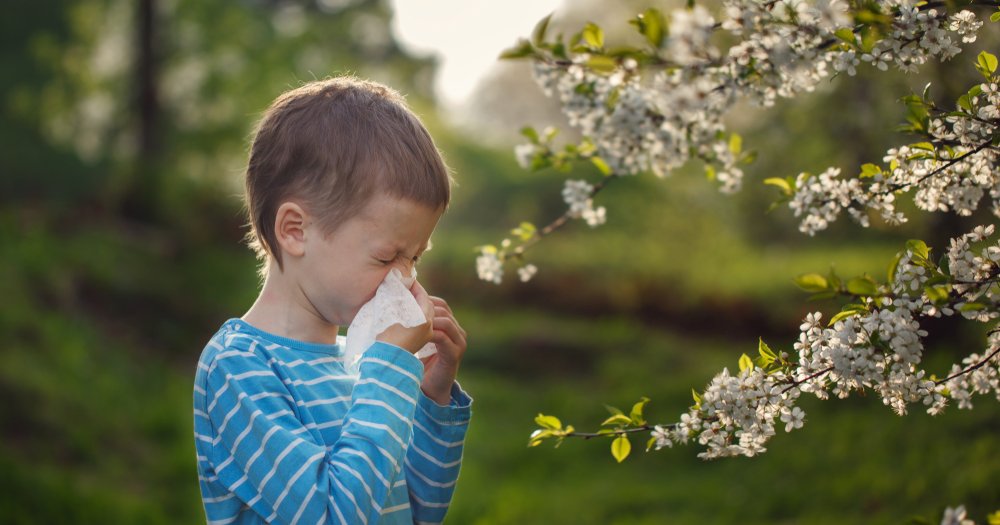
(395, 355)
(457, 412)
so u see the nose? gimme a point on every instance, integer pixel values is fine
(405, 267)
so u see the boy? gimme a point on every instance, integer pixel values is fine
(343, 184)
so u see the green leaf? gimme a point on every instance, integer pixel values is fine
(594, 36)
(709, 172)
(613, 410)
(549, 422)
(540, 162)
(767, 356)
(870, 170)
(862, 286)
(965, 102)
(937, 294)
(986, 63)
(975, 91)
(745, 363)
(636, 413)
(538, 436)
(652, 26)
(869, 36)
(811, 282)
(650, 444)
(765, 350)
(530, 133)
(620, 448)
(697, 398)
(617, 419)
(602, 64)
(847, 311)
(972, 307)
(782, 184)
(525, 231)
(538, 34)
(601, 165)
(735, 143)
(995, 17)
(613, 97)
(846, 35)
(919, 249)
(521, 49)
(841, 315)
(926, 146)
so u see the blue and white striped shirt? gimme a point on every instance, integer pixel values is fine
(284, 434)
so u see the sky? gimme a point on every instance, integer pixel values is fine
(467, 35)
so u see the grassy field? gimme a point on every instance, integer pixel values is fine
(853, 462)
(105, 438)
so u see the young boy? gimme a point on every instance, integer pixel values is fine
(343, 184)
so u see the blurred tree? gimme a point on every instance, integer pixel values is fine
(143, 91)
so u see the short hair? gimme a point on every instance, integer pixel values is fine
(331, 144)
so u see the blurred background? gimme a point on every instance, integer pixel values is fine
(124, 130)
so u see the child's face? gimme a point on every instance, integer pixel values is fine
(341, 271)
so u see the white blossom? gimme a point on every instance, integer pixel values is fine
(526, 272)
(955, 516)
(489, 267)
(577, 194)
(793, 418)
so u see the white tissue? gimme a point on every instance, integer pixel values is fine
(393, 303)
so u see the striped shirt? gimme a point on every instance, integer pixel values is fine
(284, 434)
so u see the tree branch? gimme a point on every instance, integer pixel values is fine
(558, 222)
(972, 367)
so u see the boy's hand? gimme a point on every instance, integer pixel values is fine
(412, 339)
(441, 368)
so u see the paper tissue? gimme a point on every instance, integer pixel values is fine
(393, 303)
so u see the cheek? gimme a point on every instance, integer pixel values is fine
(368, 284)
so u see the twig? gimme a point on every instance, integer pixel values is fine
(560, 221)
(973, 367)
(794, 384)
(611, 433)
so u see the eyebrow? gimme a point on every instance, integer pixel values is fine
(398, 249)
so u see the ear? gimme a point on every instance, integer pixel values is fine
(290, 228)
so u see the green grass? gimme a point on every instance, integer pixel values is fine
(853, 462)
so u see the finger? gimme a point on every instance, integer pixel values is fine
(419, 292)
(423, 300)
(444, 311)
(440, 302)
(441, 313)
(451, 329)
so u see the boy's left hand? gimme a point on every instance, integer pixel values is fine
(441, 368)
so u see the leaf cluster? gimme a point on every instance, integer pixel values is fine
(618, 426)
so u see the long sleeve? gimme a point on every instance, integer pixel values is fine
(273, 464)
(435, 455)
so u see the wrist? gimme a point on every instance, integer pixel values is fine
(437, 387)
(441, 396)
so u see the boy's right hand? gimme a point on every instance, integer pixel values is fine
(412, 339)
